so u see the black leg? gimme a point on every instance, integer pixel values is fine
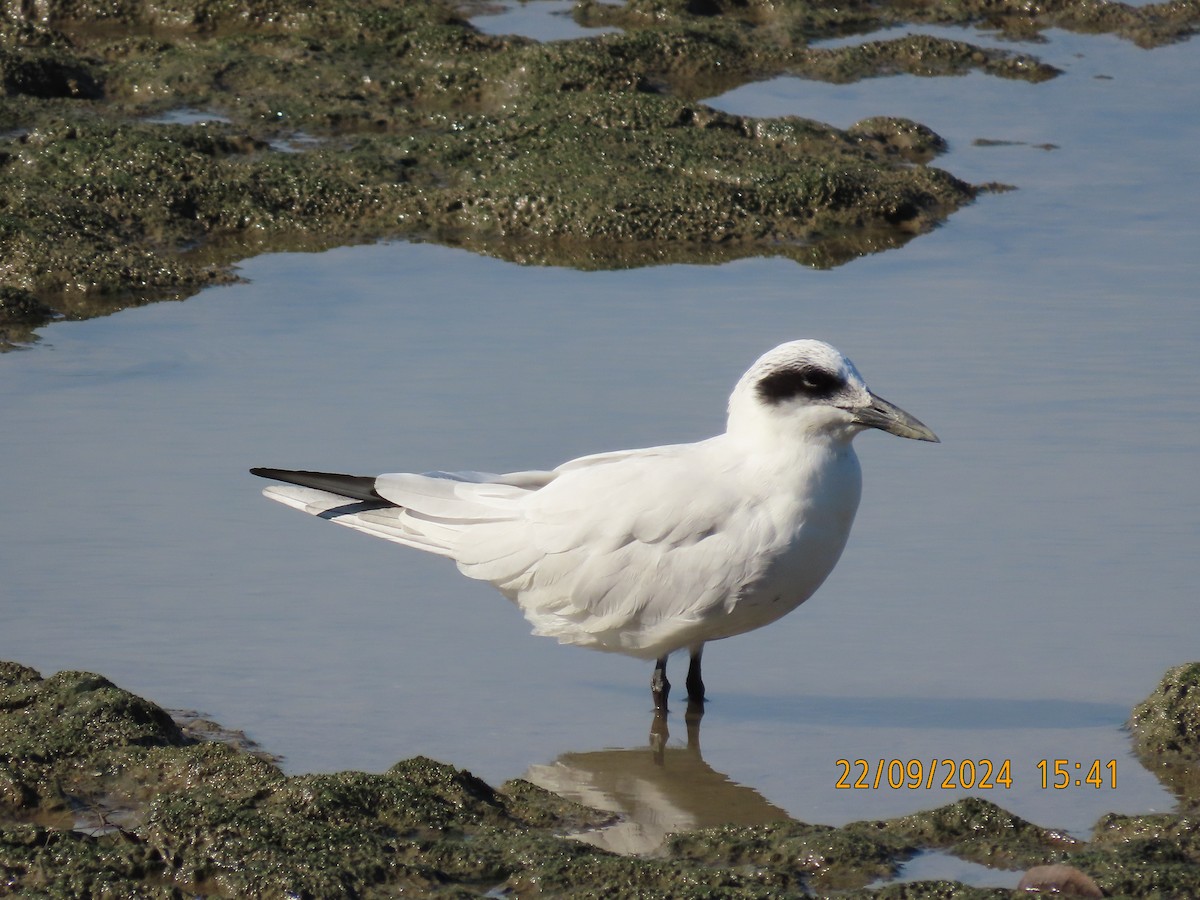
(695, 685)
(659, 686)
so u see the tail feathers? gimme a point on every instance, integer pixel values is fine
(377, 518)
(428, 512)
(357, 487)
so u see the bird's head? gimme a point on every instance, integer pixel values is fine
(810, 388)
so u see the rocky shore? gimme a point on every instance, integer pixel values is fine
(147, 146)
(104, 794)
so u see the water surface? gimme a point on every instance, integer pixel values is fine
(542, 20)
(1008, 594)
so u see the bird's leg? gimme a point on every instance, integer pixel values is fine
(695, 686)
(659, 686)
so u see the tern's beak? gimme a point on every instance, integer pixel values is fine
(889, 417)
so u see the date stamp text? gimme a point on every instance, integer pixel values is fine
(969, 774)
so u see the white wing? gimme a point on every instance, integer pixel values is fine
(633, 551)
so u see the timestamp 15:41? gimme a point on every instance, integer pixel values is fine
(1065, 773)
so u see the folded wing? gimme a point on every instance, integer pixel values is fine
(618, 551)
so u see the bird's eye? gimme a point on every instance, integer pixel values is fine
(809, 381)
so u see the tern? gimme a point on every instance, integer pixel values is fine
(645, 552)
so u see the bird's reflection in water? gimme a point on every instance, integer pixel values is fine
(657, 790)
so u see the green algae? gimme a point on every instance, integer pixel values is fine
(591, 153)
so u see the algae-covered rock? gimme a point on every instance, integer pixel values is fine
(49, 863)
(930, 890)
(1166, 733)
(46, 74)
(17, 306)
(598, 877)
(822, 856)
(977, 830)
(657, 175)
(1168, 721)
(1144, 856)
(541, 809)
(99, 200)
(908, 139)
(51, 729)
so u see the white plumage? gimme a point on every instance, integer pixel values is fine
(644, 552)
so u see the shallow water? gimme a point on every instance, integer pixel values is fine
(1006, 595)
(542, 20)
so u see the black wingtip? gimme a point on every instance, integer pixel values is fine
(358, 487)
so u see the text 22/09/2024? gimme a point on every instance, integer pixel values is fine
(980, 774)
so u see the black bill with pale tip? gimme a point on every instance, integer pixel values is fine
(890, 418)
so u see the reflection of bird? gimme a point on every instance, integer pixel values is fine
(645, 552)
(659, 793)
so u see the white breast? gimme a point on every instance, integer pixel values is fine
(819, 516)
